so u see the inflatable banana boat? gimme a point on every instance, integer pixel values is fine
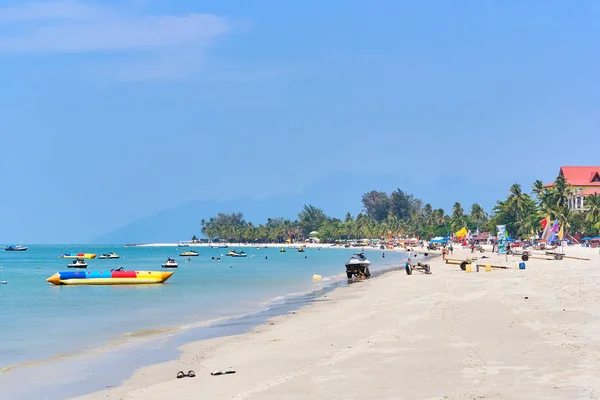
(109, 277)
(78, 255)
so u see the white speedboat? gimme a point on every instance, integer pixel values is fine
(183, 244)
(15, 248)
(234, 253)
(110, 255)
(170, 263)
(78, 263)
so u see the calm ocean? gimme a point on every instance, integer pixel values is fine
(42, 322)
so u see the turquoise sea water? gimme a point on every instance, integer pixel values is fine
(41, 321)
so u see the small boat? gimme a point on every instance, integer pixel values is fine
(183, 244)
(110, 255)
(78, 255)
(15, 248)
(300, 250)
(112, 277)
(170, 263)
(234, 253)
(282, 250)
(189, 253)
(79, 263)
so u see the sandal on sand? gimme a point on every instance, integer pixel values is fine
(222, 372)
(180, 374)
(191, 374)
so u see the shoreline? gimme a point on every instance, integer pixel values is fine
(429, 327)
(166, 342)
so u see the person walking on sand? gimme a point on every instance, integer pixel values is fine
(444, 253)
(451, 249)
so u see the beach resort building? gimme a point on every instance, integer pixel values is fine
(584, 181)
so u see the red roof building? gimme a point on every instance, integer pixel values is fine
(584, 181)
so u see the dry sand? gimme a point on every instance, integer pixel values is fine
(505, 334)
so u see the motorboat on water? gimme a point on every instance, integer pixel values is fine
(78, 263)
(358, 266)
(110, 255)
(300, 250)
(15, 248)
(234, 253)
(170, 263)
(189, 253)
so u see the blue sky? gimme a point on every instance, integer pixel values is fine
(111, 111)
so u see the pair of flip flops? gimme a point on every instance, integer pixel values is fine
(182, 374)
(224, 372)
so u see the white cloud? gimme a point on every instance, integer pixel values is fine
(51, 10)
(74, 27)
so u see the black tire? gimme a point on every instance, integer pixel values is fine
(408, 269)
(482, 250)
(558, 256)
(349, 275)
(426, 254)
(367, 272)
(524, 257)
(463, 265)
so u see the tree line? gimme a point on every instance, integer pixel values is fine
(402, 214)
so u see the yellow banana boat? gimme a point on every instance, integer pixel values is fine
(109, 277)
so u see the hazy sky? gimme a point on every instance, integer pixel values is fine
(113, 110)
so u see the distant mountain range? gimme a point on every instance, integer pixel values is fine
(336, 194)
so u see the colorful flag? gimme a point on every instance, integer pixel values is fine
(555, 226)
(546, 228)
(561, 233)
(462, 232)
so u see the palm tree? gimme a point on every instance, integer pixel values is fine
(516, 199)
(478, 214)
(593, 213)
(562, 191)
(537, 188)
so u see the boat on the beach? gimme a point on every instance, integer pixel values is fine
(79, 255)
(358, 266)
(15, 248)
(79, 263)
(183, 244)
(234, 253)
(113, 277)
(189, 253)
(109, 255)
(170, 263)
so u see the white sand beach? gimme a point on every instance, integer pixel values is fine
(504, 334)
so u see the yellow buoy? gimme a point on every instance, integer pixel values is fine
(317, 277)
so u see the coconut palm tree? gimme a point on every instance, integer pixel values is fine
(478, 214)
(516, 200)
(593, 213)
(537, 188)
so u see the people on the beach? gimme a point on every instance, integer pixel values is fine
(444, 250)
(450, 248)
